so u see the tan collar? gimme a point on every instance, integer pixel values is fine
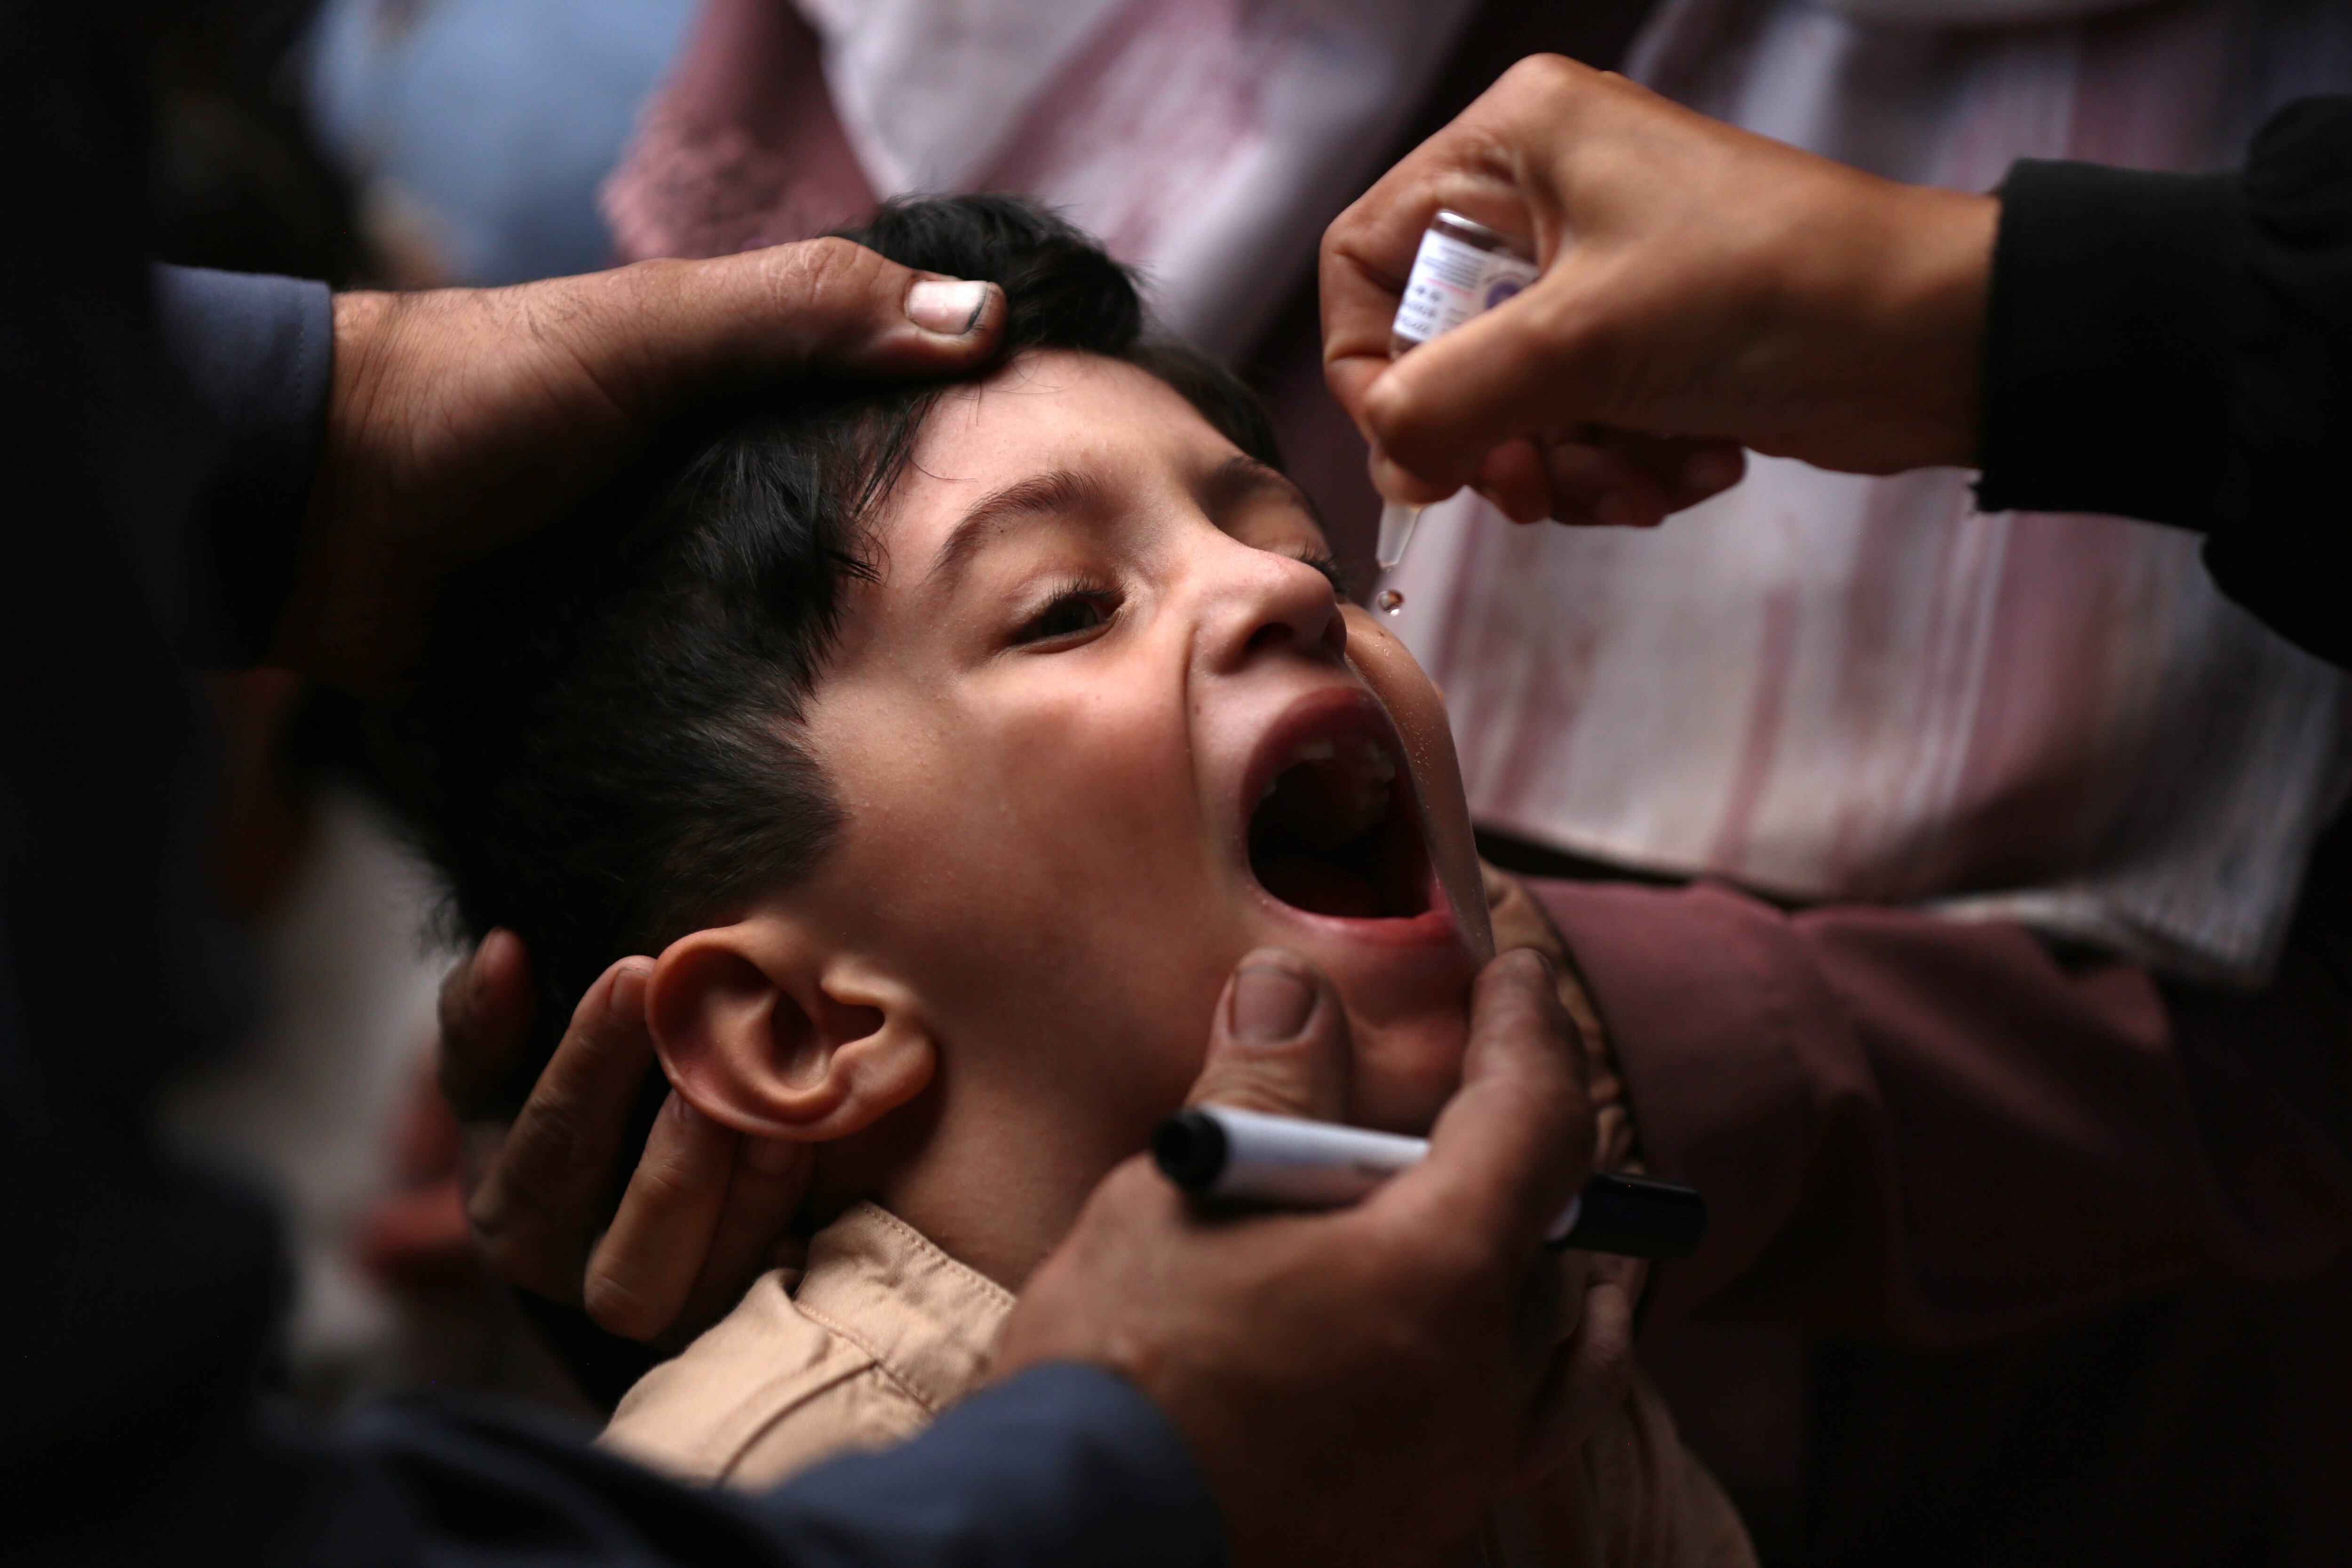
(929, 1323)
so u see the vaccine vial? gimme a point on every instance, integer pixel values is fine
(1462, 268)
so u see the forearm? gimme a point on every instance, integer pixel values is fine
(2179, 348)
(1940, 1130)
(257, 354)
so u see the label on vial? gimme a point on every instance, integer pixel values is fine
(1452, 282)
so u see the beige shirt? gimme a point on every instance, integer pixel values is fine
(885, 1330)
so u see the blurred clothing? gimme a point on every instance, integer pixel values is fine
(1206, 141)
(739, 146)
(258, 375)
(2073, 1245)
(1833, 688)
(477, 130)
(884, 1332)
(1947, 1133)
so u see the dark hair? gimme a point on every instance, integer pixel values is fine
(610, 753)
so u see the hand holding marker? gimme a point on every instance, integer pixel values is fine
(1463, 269)
(1247, 1156)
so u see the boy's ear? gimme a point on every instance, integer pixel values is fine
(764, 1030)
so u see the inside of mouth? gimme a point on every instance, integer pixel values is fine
(1335, 835)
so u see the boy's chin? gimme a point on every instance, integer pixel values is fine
(1408, 1007)
(1404, 1070)
(1389, 970)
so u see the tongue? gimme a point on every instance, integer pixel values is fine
(1318, 886)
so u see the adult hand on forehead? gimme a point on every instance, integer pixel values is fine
(1357, 1385)
(1703, 290)
(462, 420)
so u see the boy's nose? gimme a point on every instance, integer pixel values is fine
(1286, 605)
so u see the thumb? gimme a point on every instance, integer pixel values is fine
(1530, 366)
(662, 331)
(1280, 1041)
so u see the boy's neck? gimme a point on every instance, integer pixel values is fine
(996, 1189)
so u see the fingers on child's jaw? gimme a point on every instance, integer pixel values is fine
(1515, 1008)
(536, 1209)
(1590, 1376)
(770, 1178)
(1279, 1042)
(1515, 1142)
(484, 1016)
(649, 1258)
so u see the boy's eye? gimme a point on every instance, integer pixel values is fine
(1071, 613)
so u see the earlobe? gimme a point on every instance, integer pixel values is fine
(761, 1031)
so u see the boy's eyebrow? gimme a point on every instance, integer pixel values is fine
(1059, 491)
(1241, 478)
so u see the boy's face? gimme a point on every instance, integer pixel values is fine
(1101, 728)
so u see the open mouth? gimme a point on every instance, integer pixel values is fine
(1335, 830)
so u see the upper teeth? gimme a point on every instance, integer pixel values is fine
(1368, 775)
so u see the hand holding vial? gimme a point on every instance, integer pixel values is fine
(1702, 289)
(1576, 472)
(1462, 268)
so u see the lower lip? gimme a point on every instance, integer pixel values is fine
(1434, 927)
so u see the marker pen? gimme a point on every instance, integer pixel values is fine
(1247, 1156)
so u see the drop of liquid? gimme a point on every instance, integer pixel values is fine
(1389, 601)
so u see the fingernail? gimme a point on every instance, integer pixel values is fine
(1269, 1005)
(627, 1002)
(1711, 470)
(1613, 510)
(951, 309)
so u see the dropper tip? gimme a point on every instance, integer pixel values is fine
(1397, 521)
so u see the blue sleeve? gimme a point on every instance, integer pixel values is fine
(257, 356)
(1064, 1466)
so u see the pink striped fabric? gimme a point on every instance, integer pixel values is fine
(1207, 142)
(1831, 688)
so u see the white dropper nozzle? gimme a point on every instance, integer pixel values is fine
(1397, 521)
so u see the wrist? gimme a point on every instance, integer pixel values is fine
(1936, 260)
(319, 635)
(1951, 294)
